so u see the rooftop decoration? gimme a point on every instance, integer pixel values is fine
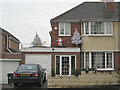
(76, 38)
(37, 41)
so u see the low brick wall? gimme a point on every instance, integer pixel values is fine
(83, 80)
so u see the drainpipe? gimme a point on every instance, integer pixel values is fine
(7, 45)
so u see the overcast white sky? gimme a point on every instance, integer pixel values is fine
(23, 18)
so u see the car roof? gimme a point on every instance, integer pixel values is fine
(30, 64)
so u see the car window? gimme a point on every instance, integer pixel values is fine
(28, 67)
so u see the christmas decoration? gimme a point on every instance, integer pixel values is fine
(76, 39)
(60, 41)
(37, 41)
(55, 28)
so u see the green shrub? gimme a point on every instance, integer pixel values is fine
(76, 73)
(53, 72)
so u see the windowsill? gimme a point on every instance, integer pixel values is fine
(65, 35)
(107, 69)
(97, 35)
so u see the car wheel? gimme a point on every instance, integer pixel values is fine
(16, 84)
(45, 78)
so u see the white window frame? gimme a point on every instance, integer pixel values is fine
(84, 34)
(61, 63)
(90, 61)
(64, 29)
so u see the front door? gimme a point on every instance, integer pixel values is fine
(65, 65)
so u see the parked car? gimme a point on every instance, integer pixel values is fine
(29, 73)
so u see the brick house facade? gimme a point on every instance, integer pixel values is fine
(10, 56)
(9, 46)
(98, 24)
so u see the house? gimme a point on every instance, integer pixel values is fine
(98, 24)
(10, 55)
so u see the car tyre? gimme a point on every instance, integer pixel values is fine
(45, 78)
(16, 84)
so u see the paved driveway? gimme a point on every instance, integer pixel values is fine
(25, 86)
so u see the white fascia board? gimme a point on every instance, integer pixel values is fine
(10, 60)
(50, 50)
(101, 51)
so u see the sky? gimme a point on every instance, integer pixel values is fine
(25, 18)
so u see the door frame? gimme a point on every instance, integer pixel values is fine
(61, 63)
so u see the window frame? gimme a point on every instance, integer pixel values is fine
(83, 30)
(64, 29)
(90, 61)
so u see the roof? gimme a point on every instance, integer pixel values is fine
(89, 11)
(3, 31)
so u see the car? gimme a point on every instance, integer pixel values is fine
(29, 73)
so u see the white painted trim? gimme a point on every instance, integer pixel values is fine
(105, 69)
(10, 60)
(105, 60)
(64, 29)
(101, 51)
(112, 60)
(50, 50)
(61, 63)
(89, 27)
(84, 60)
(90, 60)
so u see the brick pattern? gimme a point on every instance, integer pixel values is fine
(53, 57)
(77, 58)
(67, 39)
(11, 56)
(117, 61)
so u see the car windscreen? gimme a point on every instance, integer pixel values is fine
(28, 67)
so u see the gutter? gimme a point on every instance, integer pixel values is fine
(8, 46)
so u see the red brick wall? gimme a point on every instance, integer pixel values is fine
(53, 57)
(64, 53)
(0, 45)
(67, 39)
(11, 56)
(117, 61)
(14, 45)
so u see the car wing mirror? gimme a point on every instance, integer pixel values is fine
(44, 69)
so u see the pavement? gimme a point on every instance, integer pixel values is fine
(24, 86)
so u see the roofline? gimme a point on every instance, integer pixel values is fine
(17, 40)
(82, 19)
(66, 12)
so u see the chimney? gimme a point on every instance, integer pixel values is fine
(109, 4)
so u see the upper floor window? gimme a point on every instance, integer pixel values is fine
(64, 29)
(97, 28)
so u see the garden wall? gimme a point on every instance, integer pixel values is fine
(84, 80)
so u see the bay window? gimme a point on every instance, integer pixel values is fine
(99, 60)
(97, 28)
(64, 29)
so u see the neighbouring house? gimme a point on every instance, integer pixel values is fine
(10, 55)
(87, 36)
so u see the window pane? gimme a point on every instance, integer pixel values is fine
(108, 28)
(98, 60)
(61, 30)
(67, 28)
(97, 27)
(109, 60)
(87, 60)
(58, 65)
(72, 64)
(82, 28)
(86, 27)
